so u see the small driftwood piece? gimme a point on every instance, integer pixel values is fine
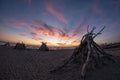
(88, 51)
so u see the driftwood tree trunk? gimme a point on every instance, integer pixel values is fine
(87, 51)
(87, 60)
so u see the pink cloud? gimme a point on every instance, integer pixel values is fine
(16, 23)
(60, 33)
(35, 36)
(48, 30)
(42, 30)
(21, 23)
(38, 27)
(57, 14)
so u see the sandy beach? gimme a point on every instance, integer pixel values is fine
(35, 65)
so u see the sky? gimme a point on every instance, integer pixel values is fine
(58, 22)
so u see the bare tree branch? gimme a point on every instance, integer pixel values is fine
(99, 32)
(93, 29)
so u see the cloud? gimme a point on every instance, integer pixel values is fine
(60, 33)
(61, 44)
(21, 23)
(41, 31)
(16, 23)
(48, 30)
(57, 14)
(38, 27)
(35, 36)
(23, 34)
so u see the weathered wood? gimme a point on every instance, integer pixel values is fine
(87, 60)
(99, 32)
(87, 51)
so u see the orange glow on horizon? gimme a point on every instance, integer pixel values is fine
(52, 42)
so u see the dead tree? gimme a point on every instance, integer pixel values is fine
(88, 51)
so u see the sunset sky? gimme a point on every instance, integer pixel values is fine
(58, 22)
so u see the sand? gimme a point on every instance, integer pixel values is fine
(35, 65)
